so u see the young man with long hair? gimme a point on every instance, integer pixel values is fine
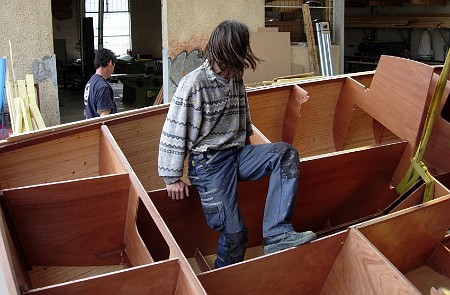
(209, 120)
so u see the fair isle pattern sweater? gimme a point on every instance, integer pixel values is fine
(207, 112)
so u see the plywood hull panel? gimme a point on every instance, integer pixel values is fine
(88, 194)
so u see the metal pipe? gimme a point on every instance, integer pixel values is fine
(101, 8)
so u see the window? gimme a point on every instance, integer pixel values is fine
(287, 15)
(116, 24)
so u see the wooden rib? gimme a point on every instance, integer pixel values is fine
(361, 269)
(413, 233)
(398, 98)
(74, 222)
(160, 278)
(304, 271)
(290, 124)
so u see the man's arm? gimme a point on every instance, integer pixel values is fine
(104, 112)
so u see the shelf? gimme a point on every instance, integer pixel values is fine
(398, 21)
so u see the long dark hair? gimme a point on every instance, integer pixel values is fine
(229, 47)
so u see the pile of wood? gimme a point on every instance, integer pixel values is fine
(22, 99)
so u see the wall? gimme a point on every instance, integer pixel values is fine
(353, 37)
(146, 28)
(186, 29)
(67, 28)
(28, 24)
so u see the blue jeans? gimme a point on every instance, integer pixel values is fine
(215, 175)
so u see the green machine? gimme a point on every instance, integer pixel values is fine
(141, 81)
(140, 90)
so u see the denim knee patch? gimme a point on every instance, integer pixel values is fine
(290, 163)
(215, 215)
(289, 159)
(231, 248)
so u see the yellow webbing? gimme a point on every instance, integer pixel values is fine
(418, 168)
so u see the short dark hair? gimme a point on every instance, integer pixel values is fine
(102, 58)
(229, 47)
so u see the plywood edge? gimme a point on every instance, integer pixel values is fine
(111, 159)
(399, 144)
(8, 279)
(258, 137)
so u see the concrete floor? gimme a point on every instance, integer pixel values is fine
(71, 105)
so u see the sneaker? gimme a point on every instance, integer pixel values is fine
(287, 240)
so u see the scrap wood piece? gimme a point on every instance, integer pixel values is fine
(159, 98)
(31, 91)
(25, 114)
(310, 39)
(439, 291)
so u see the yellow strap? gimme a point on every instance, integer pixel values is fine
(418, 168)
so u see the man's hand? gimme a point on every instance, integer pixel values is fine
(177, 190)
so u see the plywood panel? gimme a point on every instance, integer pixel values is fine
(139, 141)
(274, 48)
(361, 269)
(315, 130)
(352, 184)
(109, 161)
(267, 109)
(301, 270)
(73, 223)
(437, 156)
(408, 238)
(160, 278)
(65, 158)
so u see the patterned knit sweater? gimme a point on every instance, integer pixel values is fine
(207, 112)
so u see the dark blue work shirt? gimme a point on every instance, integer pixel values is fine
(98, 95)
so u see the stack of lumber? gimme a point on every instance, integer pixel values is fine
(22, 104)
